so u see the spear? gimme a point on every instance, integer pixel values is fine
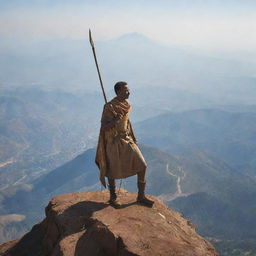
(97, 66)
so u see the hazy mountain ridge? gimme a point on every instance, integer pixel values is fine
(41, 130)
(204, 175)
(69, 64)
(189, 176)
(230, 136)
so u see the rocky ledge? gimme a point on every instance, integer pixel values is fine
(84, 224)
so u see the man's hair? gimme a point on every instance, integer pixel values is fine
(118, 86)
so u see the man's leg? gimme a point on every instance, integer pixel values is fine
(112, 190)
(141, 189)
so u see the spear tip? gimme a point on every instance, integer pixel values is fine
(90, 38)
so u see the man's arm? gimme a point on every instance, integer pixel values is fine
(109, 117)
(108, 124)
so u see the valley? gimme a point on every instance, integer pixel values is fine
(200, 161)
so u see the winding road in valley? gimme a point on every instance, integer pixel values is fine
(178, 193)
(10, 161)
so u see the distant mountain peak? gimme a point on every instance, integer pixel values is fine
(133, 36)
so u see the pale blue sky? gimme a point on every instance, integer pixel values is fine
(204, 24)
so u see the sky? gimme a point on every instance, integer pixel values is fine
(209, 25)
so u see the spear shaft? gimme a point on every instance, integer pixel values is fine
(97, 66)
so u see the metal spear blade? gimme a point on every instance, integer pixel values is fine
(90, 38)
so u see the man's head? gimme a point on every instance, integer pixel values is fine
(122, 90)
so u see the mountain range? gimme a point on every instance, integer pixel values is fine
(68, 64)
(194, 117)
(229, 136)
(205, 189)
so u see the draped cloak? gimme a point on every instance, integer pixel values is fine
(118, 155)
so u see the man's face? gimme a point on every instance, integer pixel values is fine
(124, 92)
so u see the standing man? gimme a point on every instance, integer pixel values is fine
(118, 155)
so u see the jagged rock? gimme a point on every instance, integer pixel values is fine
(82, 224)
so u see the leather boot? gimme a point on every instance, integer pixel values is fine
(141, 198)
(113, 197)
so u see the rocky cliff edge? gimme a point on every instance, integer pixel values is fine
(84, 224)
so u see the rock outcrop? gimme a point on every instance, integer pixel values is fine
(82, 224)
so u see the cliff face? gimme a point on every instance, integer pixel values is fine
(84, 224)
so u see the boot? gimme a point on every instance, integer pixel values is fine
(141, 198)
(113, 197)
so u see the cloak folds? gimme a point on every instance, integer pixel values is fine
(118, 155)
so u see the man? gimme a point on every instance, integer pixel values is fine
(118, 155)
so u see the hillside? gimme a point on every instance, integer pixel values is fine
(40, 130)
(208, 174)
(229, 136)
(205, 189)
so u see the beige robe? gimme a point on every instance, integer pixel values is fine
(118, 155)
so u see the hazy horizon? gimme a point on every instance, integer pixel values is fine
(203, 46)
(212, 27)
